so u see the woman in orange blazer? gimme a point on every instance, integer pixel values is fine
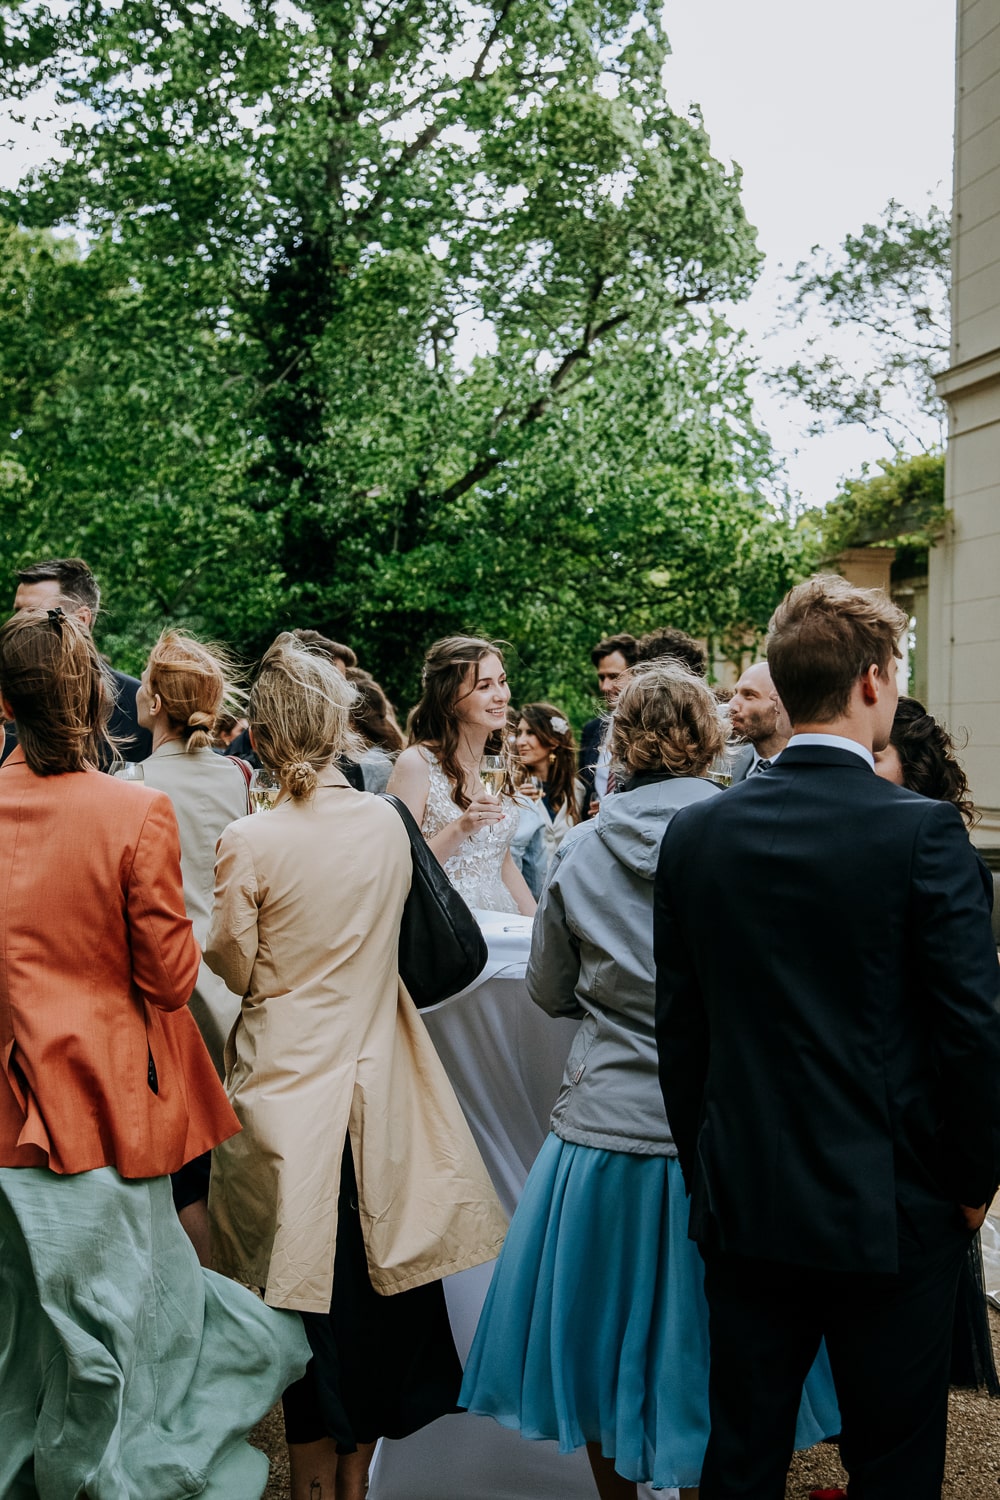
(113, 1341)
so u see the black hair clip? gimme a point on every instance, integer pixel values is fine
(56, 618)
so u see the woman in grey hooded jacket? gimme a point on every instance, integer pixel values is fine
(595, 1329)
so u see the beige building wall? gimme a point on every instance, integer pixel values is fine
(964, 583)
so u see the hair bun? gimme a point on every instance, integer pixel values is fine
(200, 720)
(299, 779)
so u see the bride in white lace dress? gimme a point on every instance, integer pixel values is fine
(462, 714)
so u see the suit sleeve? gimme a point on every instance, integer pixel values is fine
(681, 1021)
(231, 947)
(554, 961)
(957, 962)
(165, 956)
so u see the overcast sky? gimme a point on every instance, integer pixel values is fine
(830, 111)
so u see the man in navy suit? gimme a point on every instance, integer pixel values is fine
(831, 1071)
(612, 658)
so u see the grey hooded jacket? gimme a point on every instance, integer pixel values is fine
(592, 956)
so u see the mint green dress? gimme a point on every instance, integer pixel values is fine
(127, 1372)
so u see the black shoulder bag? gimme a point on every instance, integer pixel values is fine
(441, 945)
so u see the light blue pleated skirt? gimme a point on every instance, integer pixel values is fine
(595, 1328)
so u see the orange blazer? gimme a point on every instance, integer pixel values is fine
(101, 1063)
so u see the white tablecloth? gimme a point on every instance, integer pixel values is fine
(505, 1059)
(991, 1252)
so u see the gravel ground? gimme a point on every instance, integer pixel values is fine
(972, 1472)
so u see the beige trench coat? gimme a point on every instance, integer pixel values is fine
(306, 921)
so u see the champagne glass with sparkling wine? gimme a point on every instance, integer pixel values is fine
(264, 789)
(493, 773)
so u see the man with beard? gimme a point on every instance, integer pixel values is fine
(756, 715)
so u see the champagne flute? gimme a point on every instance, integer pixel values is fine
(721, 771)
(264, 789)
(493, 774)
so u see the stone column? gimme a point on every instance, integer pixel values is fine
(964, 578)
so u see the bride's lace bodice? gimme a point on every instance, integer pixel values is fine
(474, 870)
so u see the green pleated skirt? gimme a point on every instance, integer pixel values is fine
(127, 1372)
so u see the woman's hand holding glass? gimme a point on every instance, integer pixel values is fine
(495, 775)
(483, 811)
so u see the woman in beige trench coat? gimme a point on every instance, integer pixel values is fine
(329, 1050)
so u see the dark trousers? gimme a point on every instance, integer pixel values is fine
(889, 1342)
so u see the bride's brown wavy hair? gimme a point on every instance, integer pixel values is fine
(433, 722)
(58, 689)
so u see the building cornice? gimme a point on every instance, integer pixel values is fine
(960, 380)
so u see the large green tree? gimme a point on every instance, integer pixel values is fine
(246, 385)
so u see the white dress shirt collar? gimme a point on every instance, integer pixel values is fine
(602, 772)
(833, 742)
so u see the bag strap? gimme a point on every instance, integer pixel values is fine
(241, 765)
(409, 821)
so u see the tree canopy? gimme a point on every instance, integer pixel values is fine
(883, 295)
(388, 317)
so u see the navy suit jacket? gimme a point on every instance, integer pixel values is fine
(136, 742)
(827, 1015)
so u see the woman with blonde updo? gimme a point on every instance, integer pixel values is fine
(181, 694)
(355, 1184)
(595, 1328)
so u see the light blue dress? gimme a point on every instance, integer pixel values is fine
(595, 1327)
(127, 1372)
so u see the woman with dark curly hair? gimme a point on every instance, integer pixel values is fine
(920, 755)
(374, 721)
